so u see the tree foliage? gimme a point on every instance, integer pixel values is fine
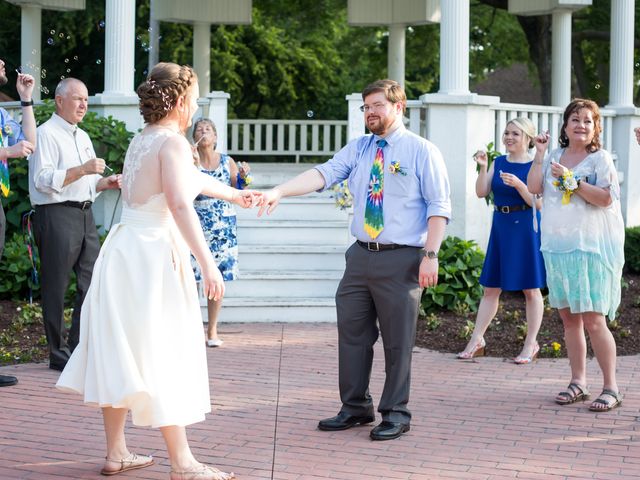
(299, 58)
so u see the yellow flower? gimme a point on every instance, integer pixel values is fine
(556, 346)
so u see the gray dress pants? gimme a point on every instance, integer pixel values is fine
(67, 241)
(384, 286)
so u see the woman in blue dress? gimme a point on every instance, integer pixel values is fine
(513, 260)
(218, 217)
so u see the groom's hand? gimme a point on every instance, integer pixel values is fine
(270, 201)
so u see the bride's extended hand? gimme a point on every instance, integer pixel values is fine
(247, 198)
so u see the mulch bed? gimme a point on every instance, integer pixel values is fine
(504, 337)
(24, 342)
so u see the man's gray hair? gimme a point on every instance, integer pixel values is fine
(63, 86)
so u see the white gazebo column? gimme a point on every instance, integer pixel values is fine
(119, 98)
(396, 53)
(120, 35)
(202, 55)
(154, 38)
(621, 68)
(561, 57)
(454, 47)
(621, 101)
(218, 113)
(355, 123)
(30, 42)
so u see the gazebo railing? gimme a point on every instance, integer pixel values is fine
(286, 137)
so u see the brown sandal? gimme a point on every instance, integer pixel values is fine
(573, 393)
(130, 462)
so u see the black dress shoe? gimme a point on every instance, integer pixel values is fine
(389, 430)
(343, 421)
(7, 380)
(55, 366)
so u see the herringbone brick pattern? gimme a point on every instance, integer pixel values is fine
(271, 383)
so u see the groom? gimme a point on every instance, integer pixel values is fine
(401, 206)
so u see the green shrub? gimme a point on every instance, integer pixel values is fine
(15, 270)
(632, 249)
(458, 286)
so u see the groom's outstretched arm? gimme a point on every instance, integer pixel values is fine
(306, 182)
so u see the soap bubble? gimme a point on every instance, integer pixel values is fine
(66, 60)
(98, 62)
(101, 24)
(61, 35)
(52, 32)
(68, 70)
(50, 41)
(597, 86)
(61, 77)
(310, 113)
(34, 51)
(75, 57)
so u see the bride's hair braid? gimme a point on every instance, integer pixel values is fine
(160, 92)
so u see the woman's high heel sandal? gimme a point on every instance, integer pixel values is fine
(477, 351)
(525, 360)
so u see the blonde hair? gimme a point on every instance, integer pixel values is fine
(526, 126)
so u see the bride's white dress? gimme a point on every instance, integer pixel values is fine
(141, 338)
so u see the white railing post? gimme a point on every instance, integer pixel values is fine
(218, 112)
(355, 126)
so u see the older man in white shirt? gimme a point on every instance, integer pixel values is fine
(64, 179)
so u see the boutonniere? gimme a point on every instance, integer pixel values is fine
(395, 168)
(7, 130)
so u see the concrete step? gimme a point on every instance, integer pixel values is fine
(292, 283)
(289, 257)
(293, 232)
(276, 309)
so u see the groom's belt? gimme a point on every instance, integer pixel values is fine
(379, 247)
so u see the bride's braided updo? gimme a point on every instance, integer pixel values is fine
(164, 85)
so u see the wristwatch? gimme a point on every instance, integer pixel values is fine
(430, 254)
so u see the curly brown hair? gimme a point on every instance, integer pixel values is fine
(575, 106)
(160, 91)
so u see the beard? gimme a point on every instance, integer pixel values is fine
(380, 125)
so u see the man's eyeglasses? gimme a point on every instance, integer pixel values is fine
(376, 106)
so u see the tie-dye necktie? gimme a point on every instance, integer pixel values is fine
(373, 218)
(4, 166)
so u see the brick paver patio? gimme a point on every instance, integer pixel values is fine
(271, 383)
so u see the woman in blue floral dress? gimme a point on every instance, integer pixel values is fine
(218, 217)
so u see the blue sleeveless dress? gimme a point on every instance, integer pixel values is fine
(218, 220)
(513, 260)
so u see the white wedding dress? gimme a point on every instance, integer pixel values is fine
(141, 338)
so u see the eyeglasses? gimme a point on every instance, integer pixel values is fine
(376, 106)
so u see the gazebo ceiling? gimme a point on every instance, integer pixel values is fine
(62, 5)
(544, 7)
(229, 12)
(393, 12)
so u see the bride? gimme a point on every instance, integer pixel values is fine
(141, 337)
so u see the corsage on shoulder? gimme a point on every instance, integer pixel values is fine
(568, 183)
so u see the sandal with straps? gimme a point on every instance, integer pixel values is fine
(130, 462)
(201, 472)
(606, 406)
(572, 394)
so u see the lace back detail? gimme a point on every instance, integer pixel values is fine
(141, 175)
